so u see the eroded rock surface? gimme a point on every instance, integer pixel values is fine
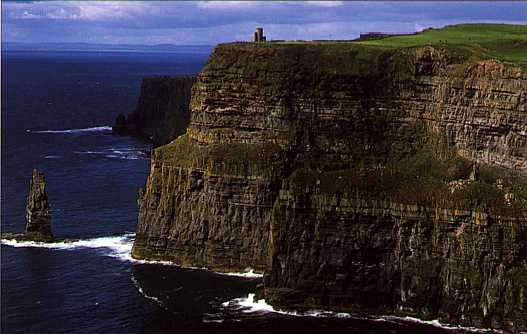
(220, 196)
(38, 216)
(344, 252)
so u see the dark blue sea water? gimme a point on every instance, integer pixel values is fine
(56, 111)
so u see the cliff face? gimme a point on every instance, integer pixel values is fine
(208, 206)
(298, 159)
(347, 104)
(340, 251)
(162, 111)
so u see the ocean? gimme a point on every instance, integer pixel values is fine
(57, 111)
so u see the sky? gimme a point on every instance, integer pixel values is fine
(212, 22)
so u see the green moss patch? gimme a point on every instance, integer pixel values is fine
(238, 159)
(421, 179)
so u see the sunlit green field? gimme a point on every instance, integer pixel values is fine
(502, 41)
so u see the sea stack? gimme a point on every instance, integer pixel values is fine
(38, 217)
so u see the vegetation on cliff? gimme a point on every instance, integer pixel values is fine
(425, 180)
(222, 159)
(499, 41)
(363, 176)
(504, 42)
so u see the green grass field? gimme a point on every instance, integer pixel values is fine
(504, 42)
(501, 41)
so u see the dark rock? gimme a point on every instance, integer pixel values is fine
(288, 165)
(38, 216)
(377, 258)
(162, 112)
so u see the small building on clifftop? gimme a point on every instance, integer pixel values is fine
(258, 36)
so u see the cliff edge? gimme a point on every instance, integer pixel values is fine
(362, 178)
(162, 112)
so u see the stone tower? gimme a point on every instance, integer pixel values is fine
(258, 35)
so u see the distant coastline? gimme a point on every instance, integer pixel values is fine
(89, 47)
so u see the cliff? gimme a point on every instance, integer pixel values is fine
(360, 178)
(348, 252)
(162, 111)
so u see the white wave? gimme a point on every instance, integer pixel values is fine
(52, 157)
(92, 129)
(437, 323)
(247, 274)
(125, 157)
(120, 153)
(249, 305)
(144, 294)
(90, 152)
(163, 263)
(114, 246)
(119, 247)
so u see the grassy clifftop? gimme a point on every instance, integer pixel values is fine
(505, 42)
(501, 41)
(463, 45)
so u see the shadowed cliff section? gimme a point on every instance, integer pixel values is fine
(162, 112)
(360, 178)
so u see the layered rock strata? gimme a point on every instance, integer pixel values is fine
(162, 111)
(38, 216)
(38, 213)
(262, 113)
(343, 251)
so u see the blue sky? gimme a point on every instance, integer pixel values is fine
(211, 22)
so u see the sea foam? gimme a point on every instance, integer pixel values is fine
(437, 323)
(247, 274)
(113, 246)
(119, 247)
(119, 153)
(92, 129)
(250, 305)
(144, 294)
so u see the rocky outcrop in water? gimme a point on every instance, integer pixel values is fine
(38, 216)
(344, 172)
(38, 213)
(162, 111)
